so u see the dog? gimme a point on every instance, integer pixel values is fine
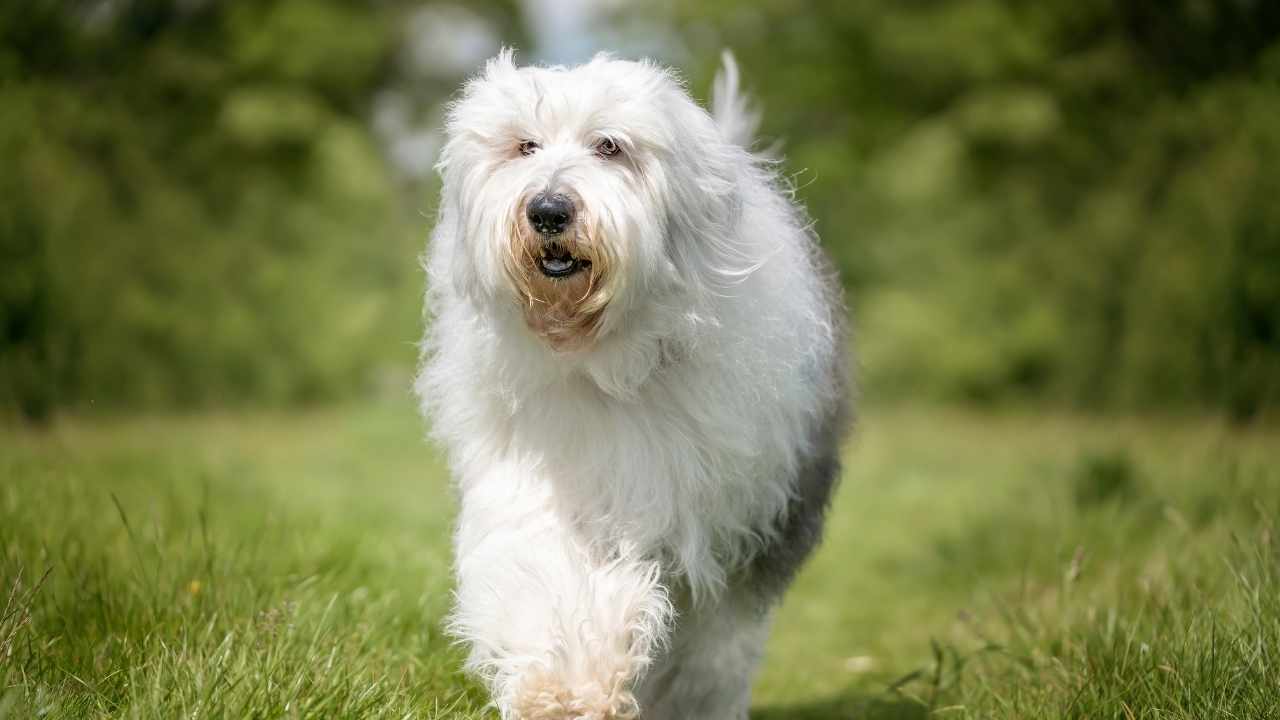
(635, 360)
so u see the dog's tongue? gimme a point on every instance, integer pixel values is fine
(557, 265)
(556, 261)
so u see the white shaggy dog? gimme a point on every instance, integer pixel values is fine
(634, 359)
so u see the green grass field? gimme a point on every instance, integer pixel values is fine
(297, 565)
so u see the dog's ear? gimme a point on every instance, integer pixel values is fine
(705, 189)
(447, 263)
(473, 123)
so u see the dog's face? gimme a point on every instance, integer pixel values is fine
(580, 193)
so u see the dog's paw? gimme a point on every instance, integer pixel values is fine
(544, 696)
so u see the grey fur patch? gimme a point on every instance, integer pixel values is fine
(800, 527)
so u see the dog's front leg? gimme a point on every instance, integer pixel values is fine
(558, 630)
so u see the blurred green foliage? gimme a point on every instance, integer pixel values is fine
(1064, 202)
(193, 209)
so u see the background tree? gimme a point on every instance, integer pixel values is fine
(1066, 202)
(195, 209)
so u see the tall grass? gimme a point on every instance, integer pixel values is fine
(977, 566)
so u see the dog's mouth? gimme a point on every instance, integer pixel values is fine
(557, 262)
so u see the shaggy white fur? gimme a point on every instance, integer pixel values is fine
(643, 447)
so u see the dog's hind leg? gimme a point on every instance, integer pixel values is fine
(707, 673)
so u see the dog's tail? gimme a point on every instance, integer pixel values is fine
(732, 110)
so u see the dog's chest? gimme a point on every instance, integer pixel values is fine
(662, 474)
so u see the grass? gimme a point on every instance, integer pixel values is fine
(297, 565)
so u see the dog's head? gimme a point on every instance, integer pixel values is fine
(579, 194)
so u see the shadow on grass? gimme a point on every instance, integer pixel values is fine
(846, 706)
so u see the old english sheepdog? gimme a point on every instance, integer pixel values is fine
(635, 360)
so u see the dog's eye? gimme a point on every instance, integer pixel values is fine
(606, 147)
(528, 147)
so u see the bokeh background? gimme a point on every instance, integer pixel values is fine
(1073, 203)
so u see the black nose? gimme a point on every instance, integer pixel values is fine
(550, 214)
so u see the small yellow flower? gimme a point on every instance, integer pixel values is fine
(193, 587)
